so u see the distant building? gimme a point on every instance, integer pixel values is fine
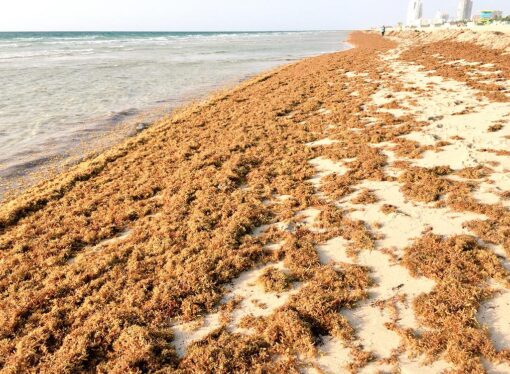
(441, 17)
(414, 13)
(487, 16)
(464, 10)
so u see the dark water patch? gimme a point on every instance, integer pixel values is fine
(122, 115)
(23, 168)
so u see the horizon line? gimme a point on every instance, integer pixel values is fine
(181, 31)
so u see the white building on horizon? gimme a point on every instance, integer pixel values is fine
(414, 13)
(464, 10)
(441, 18)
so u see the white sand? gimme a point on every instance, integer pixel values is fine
(482, 35)
(318, 143)
(254, 302)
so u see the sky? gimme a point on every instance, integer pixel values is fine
(214, 15)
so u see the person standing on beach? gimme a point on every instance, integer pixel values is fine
(383, 30)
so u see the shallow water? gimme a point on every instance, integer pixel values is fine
(60, 91)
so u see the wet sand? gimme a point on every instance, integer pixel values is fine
(348, 212)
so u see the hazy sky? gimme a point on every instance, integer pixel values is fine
(175, 15)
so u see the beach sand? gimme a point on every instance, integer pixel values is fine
(346, 213)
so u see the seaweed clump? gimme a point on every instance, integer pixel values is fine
(274, 280)
(462, 270)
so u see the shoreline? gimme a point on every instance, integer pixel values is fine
(345, 212)
(94, 135)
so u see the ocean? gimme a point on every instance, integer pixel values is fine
(65, 93)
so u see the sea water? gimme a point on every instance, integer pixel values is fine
(62, 90)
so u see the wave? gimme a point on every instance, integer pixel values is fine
(46, 53)
(141, 35)
(122, 40)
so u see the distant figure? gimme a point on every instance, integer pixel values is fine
(383, 30)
